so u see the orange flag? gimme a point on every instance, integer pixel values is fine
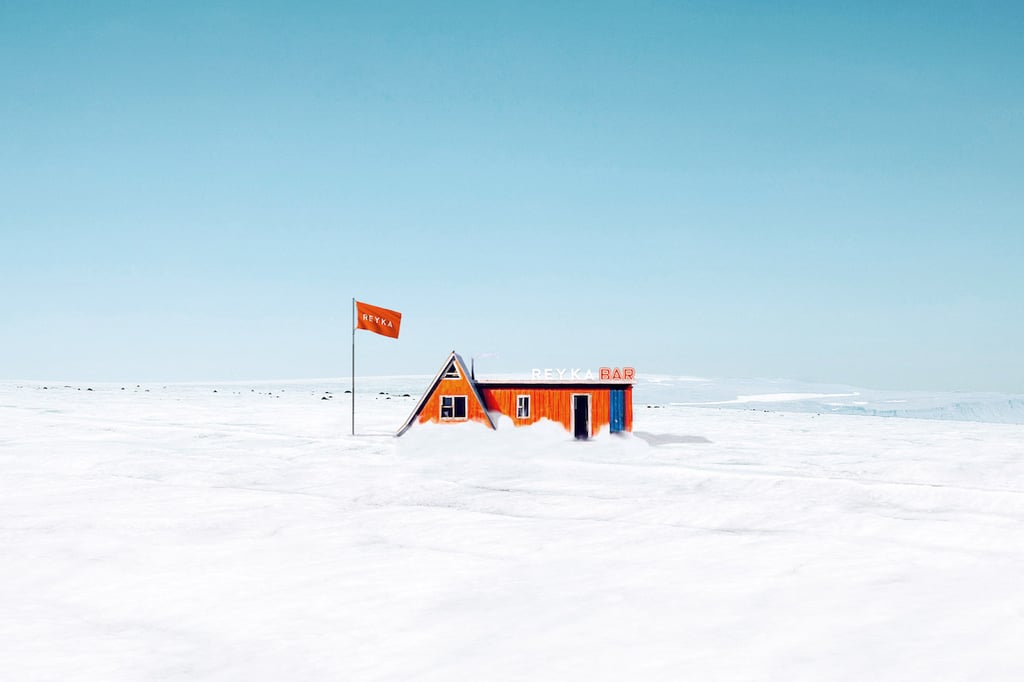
(379, 320)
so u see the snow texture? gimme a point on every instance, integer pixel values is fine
(238, 532)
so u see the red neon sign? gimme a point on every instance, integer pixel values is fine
(616, 374)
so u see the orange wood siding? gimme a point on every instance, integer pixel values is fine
(432, 409)
(556, 404)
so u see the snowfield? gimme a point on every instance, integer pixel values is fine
(238, 532)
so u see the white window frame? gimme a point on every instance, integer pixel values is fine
(519, 406)
(452, 372)
(454, 417)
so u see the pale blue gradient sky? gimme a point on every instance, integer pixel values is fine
(823, 192)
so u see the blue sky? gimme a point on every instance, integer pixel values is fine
(823, 192)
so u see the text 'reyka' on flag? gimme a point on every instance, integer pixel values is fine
(378, 320)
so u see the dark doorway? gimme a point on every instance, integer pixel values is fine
(581, 416)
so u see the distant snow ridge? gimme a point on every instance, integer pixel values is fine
(999, 410)
(791, 396)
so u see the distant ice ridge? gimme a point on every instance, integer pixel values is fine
(792, 396)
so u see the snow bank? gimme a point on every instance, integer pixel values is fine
(183, 534)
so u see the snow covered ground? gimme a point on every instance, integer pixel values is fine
(178, 533)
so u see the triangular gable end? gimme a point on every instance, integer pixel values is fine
(453, 368)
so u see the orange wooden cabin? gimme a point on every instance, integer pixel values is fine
(583, 407)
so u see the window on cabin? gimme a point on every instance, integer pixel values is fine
(453, 407)
(452, 372)
(523, 407)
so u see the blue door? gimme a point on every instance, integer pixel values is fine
(617, 418)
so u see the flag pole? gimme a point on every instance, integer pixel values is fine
(353, 366)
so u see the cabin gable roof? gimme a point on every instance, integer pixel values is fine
(453, 360)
